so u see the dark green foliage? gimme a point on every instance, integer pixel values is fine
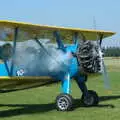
(111, 52)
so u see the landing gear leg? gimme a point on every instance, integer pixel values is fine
(64, 101)
(89, 97)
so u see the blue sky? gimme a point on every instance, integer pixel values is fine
(73, 13)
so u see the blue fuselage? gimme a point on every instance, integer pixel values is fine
(73, 68)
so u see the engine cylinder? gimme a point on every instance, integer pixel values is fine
(89, 58)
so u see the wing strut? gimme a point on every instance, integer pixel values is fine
(14, 50)
(7, 68)
(59, 41)
(101, 38)
(41, 45)
(75, 38)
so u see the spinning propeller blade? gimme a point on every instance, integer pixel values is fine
(105, 76)
(104, 70)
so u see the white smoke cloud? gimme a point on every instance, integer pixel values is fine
(37, 62)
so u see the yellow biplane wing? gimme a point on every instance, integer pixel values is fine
(36, 29)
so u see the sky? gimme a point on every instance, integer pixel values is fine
(67, 13)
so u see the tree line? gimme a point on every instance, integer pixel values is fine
(111, 52)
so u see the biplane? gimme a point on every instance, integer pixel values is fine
(26, 60)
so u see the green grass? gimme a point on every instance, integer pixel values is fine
(38, 103)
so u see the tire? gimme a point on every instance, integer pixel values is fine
(64, 102)
(91, 100)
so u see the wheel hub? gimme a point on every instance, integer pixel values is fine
(63, 103)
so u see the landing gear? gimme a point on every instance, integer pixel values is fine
(64, 102)
(90, 99)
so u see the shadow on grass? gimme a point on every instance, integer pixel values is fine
(105, 98)
(77, 102)
(25, 109)
(22, 109)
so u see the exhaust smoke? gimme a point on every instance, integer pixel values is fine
(35, 61)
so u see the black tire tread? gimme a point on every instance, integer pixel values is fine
(96, 98)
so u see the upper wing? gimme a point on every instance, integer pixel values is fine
(40, 30)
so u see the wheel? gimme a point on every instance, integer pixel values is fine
(64, 102)
(91, 99)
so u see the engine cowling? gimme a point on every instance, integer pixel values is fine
(89, 57)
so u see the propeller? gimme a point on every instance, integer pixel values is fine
(104, 70)
(90, 57)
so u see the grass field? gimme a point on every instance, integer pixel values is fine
(38, 103)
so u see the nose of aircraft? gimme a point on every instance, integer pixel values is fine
(89, 56)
